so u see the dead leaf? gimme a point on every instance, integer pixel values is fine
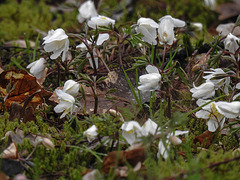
(204, 138)
(133, 157)
(3, 176)
(25, 86)
(200, 62)
(228, 10)
(225, 29)
(112, 78)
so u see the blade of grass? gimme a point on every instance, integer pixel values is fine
(35, 48)
(132, 89)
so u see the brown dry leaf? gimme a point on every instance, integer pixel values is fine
(25, 86)
(133, 157)
(228, 10)
(204, 138)
(225, 29)
(4, 176)
(112, 78)
(18, 112)
(201, 62)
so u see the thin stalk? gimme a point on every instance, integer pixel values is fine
(58, 76)
(154, 55)
(164, 54)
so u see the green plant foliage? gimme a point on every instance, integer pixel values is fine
(22, 19)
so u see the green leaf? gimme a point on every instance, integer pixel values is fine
(237, 23)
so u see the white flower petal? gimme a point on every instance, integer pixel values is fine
(149, 127)
(101, 38)
(152, 69)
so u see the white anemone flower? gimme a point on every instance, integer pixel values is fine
(86, 11)
(204, 91)
(57, 42)
(166, 28)
(150, 81)
(102, 38)
(91, 133)
(231, 43)
(148, 28)
(171, 138)
(131, 131)
(71, 87)
(149, 127)
(99, 20)
(66, 104)
(228, 109)
(95, 58)
(218, 77)
(37, 67)
(210, 113)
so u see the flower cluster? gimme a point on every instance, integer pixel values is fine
(165, 28)
(67, 98)
(132, 133)
(217, 79)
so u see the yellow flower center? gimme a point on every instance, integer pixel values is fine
(214, 113)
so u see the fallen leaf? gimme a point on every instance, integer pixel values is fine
(132, 157)
(225, 29)
(25, 86)
(204, 138)
(228, 10)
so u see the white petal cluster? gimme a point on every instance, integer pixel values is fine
(37, 67)
(86, 11)
(132, 131)
(91, 133)
(100, 20)
(171, 138)
(166, 28)
(204, 91)
(150, 81)
(210, 113)
(231, 43)
(66, 97)
(71, 87)
(66, 104)
(148, 28)
(218, 77)
(57, 42)
(217, 112)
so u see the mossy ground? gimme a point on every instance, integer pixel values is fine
(72, 154)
